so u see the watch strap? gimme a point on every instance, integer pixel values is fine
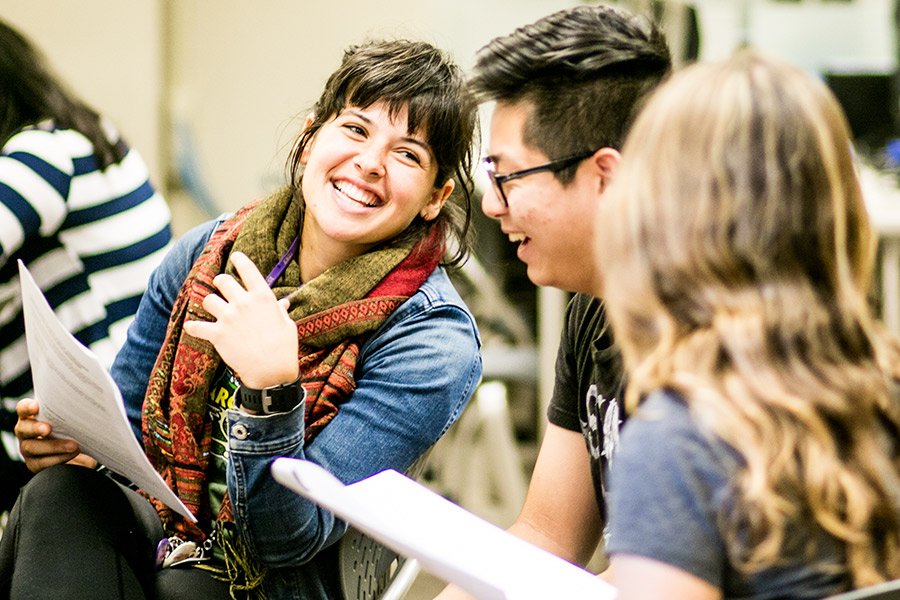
(270, 400)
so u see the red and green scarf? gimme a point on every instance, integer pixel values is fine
(334, 313)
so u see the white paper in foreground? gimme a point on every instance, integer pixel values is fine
(80, 400)
(448, 541)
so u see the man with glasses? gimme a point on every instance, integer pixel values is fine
(566, 89)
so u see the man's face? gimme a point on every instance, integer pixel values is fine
(552, 223)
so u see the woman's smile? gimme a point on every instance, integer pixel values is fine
(357, 194)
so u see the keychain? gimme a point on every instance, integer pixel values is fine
(174, 551)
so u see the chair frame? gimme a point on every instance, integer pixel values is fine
(367, 566)
(368, 569)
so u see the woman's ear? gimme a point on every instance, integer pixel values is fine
(605, 162)
(434, 205)
(304, 156)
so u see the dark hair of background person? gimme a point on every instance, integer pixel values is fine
(29, 94)
(421, 77)
(584, 70)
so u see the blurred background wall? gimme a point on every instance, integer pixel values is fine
(212, 93)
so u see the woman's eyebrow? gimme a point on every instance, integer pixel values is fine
(359, 115)
(424, 145)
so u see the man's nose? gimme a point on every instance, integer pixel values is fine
(491, 203)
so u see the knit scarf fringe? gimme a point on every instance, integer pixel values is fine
(244, 575)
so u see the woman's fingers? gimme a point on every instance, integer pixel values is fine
(216, 305)
(36, 447)
(27, 425)
(40, 454)
(201, 329)
(252, 331)
(253, 281)
(84, 460)
(43, 448)
(250, 275)
(27, 407)
(228, 287)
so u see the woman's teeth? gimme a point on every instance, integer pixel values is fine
(357, 194)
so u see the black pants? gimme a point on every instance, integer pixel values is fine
(13, 476)
(75, 533)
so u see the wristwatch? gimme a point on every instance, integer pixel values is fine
(279, 398)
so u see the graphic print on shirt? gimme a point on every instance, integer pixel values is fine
(602, 435)
(602, 428)
(221, 398)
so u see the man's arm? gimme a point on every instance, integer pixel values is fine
(636, 577)
(560, 513)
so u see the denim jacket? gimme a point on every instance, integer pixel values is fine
(414, 376)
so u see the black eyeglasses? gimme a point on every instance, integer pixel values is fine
(554, 166)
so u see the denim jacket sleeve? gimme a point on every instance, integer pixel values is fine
(134, 361)
(414, 376)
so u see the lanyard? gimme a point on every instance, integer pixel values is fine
(282, 264)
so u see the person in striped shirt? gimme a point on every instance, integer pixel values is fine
(77, 207)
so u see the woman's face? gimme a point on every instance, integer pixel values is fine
(366, 179)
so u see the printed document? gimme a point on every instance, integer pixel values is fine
(80, 400)
(447, 540)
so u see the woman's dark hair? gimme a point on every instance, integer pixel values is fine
(423, 79)
(29, 94)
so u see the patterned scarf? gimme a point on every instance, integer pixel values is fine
(334, 313)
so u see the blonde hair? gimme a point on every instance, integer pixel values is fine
(738, 253)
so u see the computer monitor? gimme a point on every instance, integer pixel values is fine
(870, 101)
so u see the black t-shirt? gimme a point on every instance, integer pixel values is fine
(589, 387)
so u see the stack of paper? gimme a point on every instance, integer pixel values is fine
(448, 541)
(80, 400)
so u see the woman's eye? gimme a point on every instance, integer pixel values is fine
(411, 156)
(356, 129)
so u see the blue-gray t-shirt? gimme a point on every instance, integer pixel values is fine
(669, 493)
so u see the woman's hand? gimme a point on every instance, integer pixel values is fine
(38, 449)
(253, 332)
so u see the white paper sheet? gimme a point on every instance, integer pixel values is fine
(448, 541)
(80, 400)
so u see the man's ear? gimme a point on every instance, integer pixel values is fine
(434, 205)
(605, 162)
(306, 123)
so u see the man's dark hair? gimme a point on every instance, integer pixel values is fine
(422, 78)
(29, 94)
(585, 71)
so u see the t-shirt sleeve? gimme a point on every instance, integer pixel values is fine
(563, 409)
(667, 483)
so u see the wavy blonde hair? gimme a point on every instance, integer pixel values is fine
(738, 254)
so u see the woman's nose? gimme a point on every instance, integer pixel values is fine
(370, 161)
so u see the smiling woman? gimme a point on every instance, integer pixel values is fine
(366, 178)
(332, 290)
